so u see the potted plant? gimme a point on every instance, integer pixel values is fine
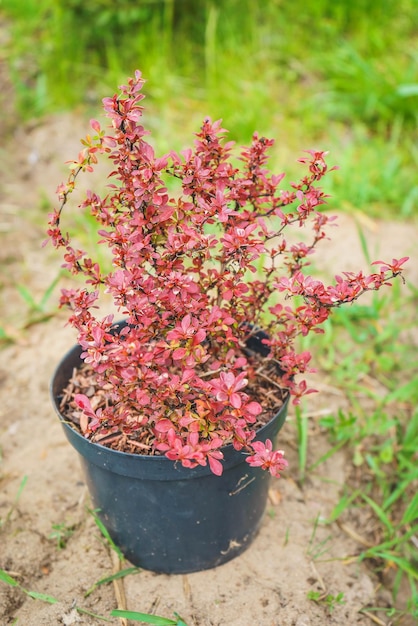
(174, 400)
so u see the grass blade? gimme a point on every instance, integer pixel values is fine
(109, 579)
(327, 455)
(4, 576)
(48, 292)
(411, 513)
(146, 617)
(379, 512)
(344, 503)
(363, 243)
(40, 596)
(397, 493)
(15, 501)
(27, 297)
(403, 564)
(91, 614)
(396, 541)
(105, 533)
(9, 580)
(302, 430)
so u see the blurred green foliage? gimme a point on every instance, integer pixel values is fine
(355, 59)
(317, 73)
(369, 352)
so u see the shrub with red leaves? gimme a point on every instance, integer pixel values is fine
(186, 278)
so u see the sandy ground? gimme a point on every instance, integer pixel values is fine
(269, 584)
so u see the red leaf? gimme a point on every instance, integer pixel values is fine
(163, 425)
(215, 466)
(179, 354)
(83, 403)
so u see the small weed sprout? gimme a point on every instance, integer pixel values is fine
(61, 533)
(326, 599)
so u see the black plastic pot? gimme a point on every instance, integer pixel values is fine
(164, 517)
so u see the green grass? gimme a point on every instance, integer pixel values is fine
(149, 619)
(6, 519)
(377, 174)
(12, 582)
(369, 353)
(340, 76)
(213, 46)
(61, 533)
(326, 599)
